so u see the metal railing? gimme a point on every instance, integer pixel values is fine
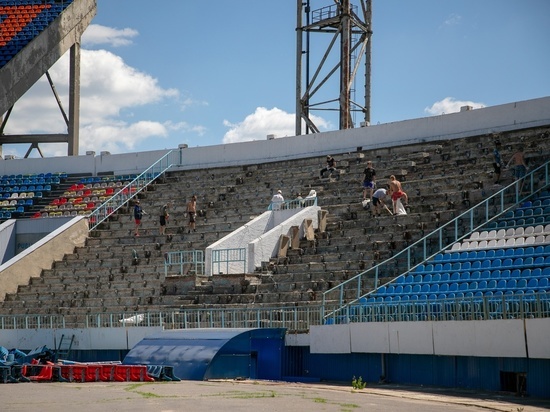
(300, 318)
(186, 261)
(516, 306)
(228, 260)
(293, 204)
(350, 291)
(120, 198)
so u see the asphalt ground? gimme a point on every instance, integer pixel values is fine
(252, 396)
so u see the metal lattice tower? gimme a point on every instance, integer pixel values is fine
(342, 22)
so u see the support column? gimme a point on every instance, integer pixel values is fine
(74, 99)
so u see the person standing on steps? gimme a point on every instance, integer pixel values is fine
(163, 218)
(369, 181)
(192, 213)
(138, 215)
(397, 193)
(277, 200)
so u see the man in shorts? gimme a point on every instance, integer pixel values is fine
(397, 194)
(369, 180)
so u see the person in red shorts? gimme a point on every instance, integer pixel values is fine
(398, 196)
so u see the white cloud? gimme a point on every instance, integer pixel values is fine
(97, 34)
(450, 105)
(109, 90)
(263, 122)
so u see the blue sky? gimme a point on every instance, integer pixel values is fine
(158, 74)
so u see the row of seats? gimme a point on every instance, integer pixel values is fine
(17, 202)
(501, 243)
(23, 195)
(510, 232)
(56, 175)
(480, 264)
(532, 251)
(513, 223)
(520, 280)
(451, 306)
(106, 179)
(65, 213)
(445, 277)
(34, 181)
(30, 188)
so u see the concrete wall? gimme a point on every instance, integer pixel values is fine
(85, 339)
(513, 338)
(260, 237)
(511, 116)
(41, 255)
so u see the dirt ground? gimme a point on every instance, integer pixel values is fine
(254, 396)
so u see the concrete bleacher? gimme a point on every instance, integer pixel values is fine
(117, 272)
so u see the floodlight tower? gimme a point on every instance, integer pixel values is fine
(341, 20)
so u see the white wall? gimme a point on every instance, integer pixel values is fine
(85, 339)
(260, 237)
(511, 116)
(512, 338)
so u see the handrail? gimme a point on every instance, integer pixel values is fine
(193, 259)
(428, 246)
(293, 204)
(120, 198)
(299, 318)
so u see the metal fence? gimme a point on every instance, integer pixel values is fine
(184, 262)
(517, 306)
(300, 318)
(229, 260)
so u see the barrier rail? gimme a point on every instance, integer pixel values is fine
(120, 198)
(488, 210)
(300, 318)
(293, 204)
(517, 306)
(188, 261)
(222, 259)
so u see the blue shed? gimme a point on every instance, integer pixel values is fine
(202, 354)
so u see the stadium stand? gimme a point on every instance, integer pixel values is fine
(116, 280)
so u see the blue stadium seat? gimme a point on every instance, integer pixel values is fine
(482, 285)
(504, 274)
(445, 277)
(501, 284)
(516, 273)
(436, 278)
(543, 284)
(444, 287)
(485, 274)
(533, 283)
